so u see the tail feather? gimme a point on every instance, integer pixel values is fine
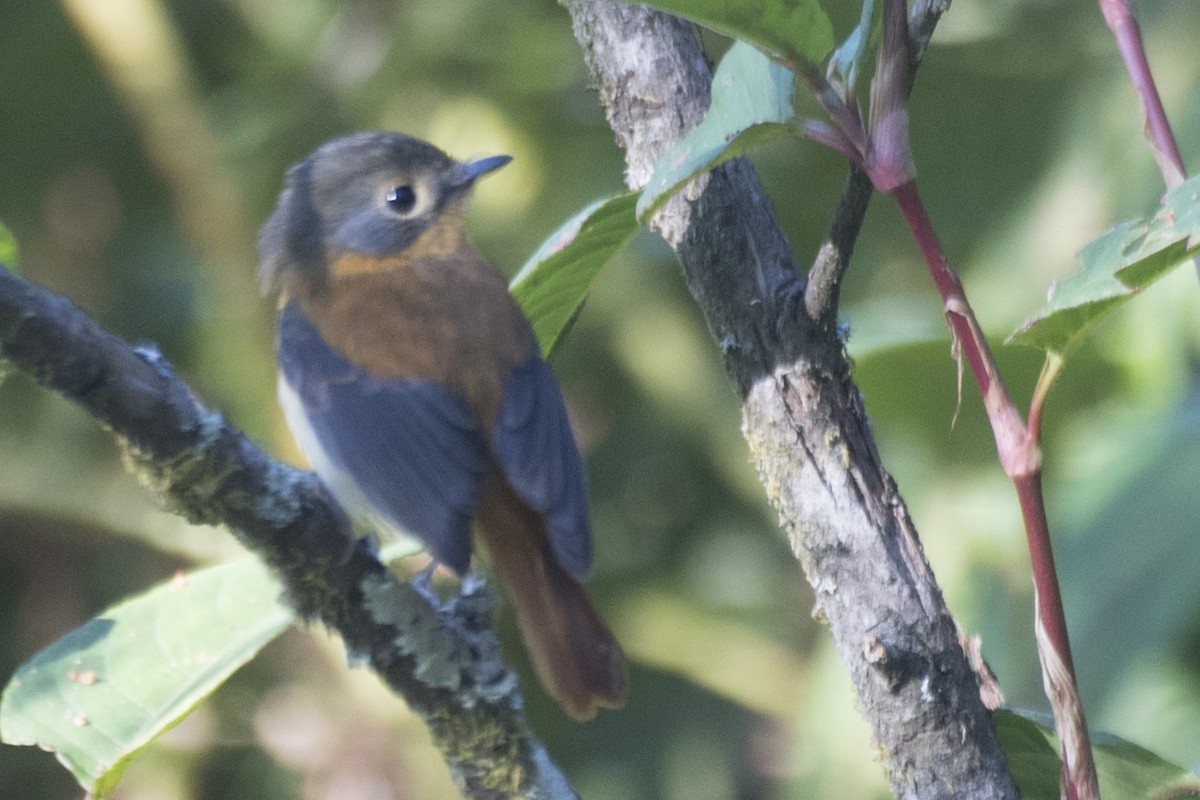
(573, 651)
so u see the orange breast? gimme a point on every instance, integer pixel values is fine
(449, 319)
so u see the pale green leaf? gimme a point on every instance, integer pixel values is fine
(1126, 771)
(553, 283)
(1116, 266)
(794, 32)
(106, 690)
(751, 103)
(847, 59)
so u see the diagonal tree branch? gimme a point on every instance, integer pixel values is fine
(802, 414)
(444, 660)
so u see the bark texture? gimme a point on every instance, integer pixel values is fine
(442, 658)
(803, 416)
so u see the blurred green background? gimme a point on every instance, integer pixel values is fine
(142, 143)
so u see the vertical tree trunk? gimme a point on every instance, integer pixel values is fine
(802, 414)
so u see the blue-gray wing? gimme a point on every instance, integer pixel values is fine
(415, 450)
(533, 443)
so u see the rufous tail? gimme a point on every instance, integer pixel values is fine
(573, 651)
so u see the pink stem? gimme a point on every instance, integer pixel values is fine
(1128, 34)
(1019, 454)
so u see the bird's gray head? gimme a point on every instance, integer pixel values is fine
(371, 193)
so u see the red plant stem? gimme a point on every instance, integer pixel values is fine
(1128, 35)
(1021, 458)
(1045, 577)
(961, 319)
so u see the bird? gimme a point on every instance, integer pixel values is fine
(413, 383)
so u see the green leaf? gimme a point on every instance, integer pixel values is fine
(1126, 771)
(9, 252)
(751, 103)
(553, 283)
(847, 59)
(1116, 266)
(794, 32)
(104, 691)
(1032, 758)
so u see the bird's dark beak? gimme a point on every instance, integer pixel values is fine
(470, 171)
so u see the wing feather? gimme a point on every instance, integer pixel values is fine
(533, 443)
(413, 450)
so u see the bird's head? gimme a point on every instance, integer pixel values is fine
(368, 196)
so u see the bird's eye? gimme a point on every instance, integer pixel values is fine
(401, 199)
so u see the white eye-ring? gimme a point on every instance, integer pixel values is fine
(401, 200)
(408, 196)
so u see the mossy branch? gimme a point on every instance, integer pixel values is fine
(442, 658)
